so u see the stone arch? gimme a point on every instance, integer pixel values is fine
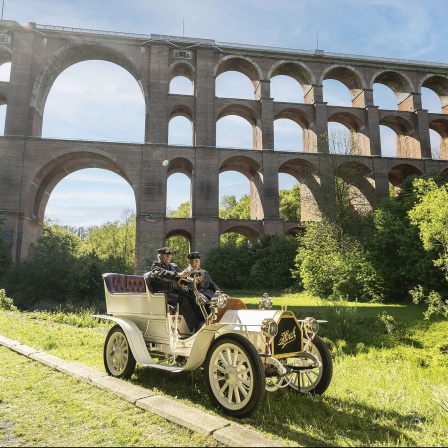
(180, 165)
(439, 85)
(241, 111)
(358, 141)
(398, 173)
(296, 115)
(407, 144)
(181, 110)
(296, 70)
(347, 75)
(241, 64)
(311, 197)
(361, 183)
(249, 231)
(293, 229)
(400, 84)
(243, 164)
(305, 122)
(67, 162)
(182, 68)
(74, 53)
(179, 232)
(441, 127)
(251, 169)
(249, 115)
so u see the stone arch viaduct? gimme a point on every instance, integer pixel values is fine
(31, 166)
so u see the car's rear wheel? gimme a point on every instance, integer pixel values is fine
(234, 375)
(118, 358)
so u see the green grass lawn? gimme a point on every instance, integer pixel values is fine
(389, 385)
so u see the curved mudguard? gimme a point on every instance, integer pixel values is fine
(137, 343)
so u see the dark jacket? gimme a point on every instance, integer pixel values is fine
(207, 286)
(164, 276)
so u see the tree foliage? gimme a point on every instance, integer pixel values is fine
(230, 208)
(264, 262)
(63, 269)
(333, 265)
(430, 215)
(289, 208)
(114, 244)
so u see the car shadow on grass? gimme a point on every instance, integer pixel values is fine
(295, 418)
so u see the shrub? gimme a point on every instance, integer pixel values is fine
(6, 303)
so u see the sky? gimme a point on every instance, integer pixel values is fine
(403, 29)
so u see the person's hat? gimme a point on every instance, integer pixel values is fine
(165, 250)
(193, 255)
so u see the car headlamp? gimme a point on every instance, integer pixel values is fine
(220, 300)
(269, 328)
(311, 325)
(265, 302)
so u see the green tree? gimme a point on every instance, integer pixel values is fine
(230, 208)
(114, 244)
(396, 250)
(273, 262)
(430, 215)
(45, 276)
(85, 280)
(181, 248)
(183, 211)
(332, 265)
(290, 203)
(229, 264)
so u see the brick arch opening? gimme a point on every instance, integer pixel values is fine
(249, 168)
(50, 175)
(182, 68)
(361, 185)
(180, 110)
(180, 131)
(441, 127)
(439, 85)
(249, 231)
(311, 198)
(298, 71)
(181, 80)
(294, 230)
(247, 114)
(356, 141)
(407, 145)
(400, 172)
(400, 84)
(244, 65)
(309, 138)
(68, 56)
(351, 79)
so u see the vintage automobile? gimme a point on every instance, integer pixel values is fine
(243, 352)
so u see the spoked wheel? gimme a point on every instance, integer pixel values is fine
(317, 379)
(118, 358)
(234, 375)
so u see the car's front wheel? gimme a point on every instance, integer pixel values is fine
(314, 380)
(235, 377)
(118, 358)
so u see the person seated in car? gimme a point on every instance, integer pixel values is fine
(165, 277)
(206, 286)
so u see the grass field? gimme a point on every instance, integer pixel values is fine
(389, 386)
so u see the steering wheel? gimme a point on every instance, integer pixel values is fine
(196, 276)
